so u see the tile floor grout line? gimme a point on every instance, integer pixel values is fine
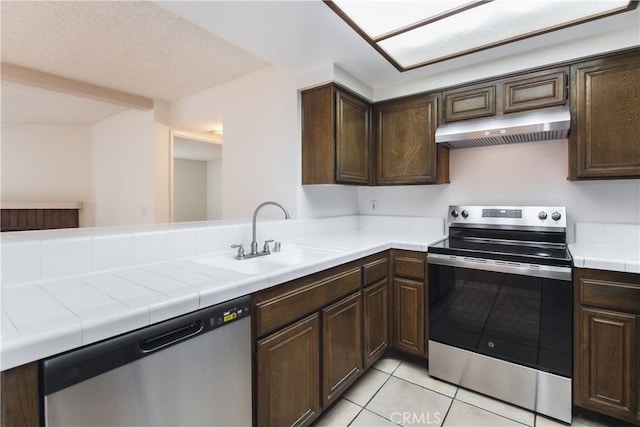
(454, 398)
(377, 391)
(430, 389)
(359, 412)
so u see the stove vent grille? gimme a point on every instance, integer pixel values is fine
(539, 126)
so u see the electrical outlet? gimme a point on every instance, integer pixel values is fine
(374, 204)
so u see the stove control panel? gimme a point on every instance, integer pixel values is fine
(511, 216)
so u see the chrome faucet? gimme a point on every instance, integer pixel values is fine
(254, 243)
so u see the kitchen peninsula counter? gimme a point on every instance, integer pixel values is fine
(65, 289)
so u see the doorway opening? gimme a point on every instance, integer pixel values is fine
(195, 176)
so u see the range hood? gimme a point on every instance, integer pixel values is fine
(528, 127)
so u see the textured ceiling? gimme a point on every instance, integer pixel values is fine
(132, 46)
(169, 49)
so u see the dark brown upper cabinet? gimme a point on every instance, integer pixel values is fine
(530, 91)
(605, 118)
(464, 104)
(406, 149)
(336, 127)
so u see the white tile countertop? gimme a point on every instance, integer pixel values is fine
(64, 290)
(600, 246)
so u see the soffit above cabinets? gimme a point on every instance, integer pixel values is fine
(412, 34)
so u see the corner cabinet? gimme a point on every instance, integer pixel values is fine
(335, 137)
(605, 103)
(606, 343)
(406, 149)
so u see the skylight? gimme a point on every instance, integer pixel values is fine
(415, 33)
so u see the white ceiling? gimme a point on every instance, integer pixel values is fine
(189, 149)
(169, 49)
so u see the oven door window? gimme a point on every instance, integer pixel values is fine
(521, 319)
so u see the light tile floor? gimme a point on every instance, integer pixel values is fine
(400, 392)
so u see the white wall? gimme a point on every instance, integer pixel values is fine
(214, 189)
(533, 173)
(189, 190)
(261, 139)
(47, 162)
(124, 175)
(162, 161)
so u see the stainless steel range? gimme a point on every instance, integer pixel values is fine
(500, 305)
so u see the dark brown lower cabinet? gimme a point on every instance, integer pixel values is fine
(408, 316)
(607, 343)
(609, 362)
(288, 372)
(409, 296)
(341, 346)
(38, 219)
(375, 321)
(20, 406)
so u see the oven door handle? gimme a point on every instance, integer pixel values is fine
(535, 270)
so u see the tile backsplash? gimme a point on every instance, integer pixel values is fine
(625, 235)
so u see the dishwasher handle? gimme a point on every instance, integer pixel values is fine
(174, 336)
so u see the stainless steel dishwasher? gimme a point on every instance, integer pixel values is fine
(194, 370)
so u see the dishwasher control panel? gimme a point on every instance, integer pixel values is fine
(231, 311)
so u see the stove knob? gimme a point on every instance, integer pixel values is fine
(465, 214)
(454, 213)
(542, 215)
(556, 216)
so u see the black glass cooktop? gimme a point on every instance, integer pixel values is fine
(507, 250)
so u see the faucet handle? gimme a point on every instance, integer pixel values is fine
(266, 249)
(240, 250)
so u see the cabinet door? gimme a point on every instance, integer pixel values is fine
(464, 104)
(606, 363)
(318, 145)
(336, 137)
(352, 139)
(604, 140)
(535, 90)
(376, 321)
(406, 147)
(288, 375)
(20, 396)
(341, 346)
(408, 316)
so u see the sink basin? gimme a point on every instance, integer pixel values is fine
(289, 256)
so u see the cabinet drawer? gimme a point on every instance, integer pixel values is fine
(375, 271)
(613, 295)
(408, 265)
(301, 297)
